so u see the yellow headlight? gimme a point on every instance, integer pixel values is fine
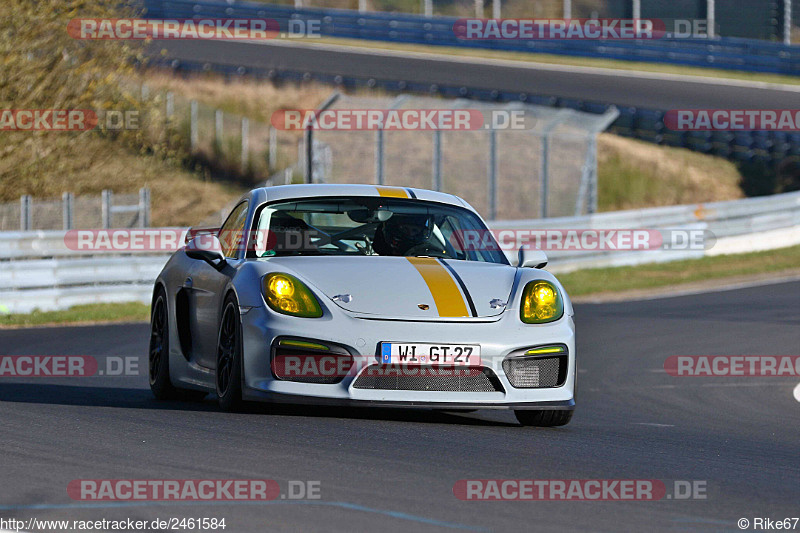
(541, 302)
(281, 286)
(288, 295)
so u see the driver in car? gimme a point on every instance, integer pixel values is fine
(406, 235)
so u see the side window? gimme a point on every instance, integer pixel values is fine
(470, 243)
(231, 232)
(454, 237)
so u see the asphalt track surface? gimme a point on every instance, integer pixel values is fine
(394, 470)
(623, 88)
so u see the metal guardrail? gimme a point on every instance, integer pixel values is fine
(641, 123)
(738, 226)
(38, 270)
(96, 271)
(725, 53)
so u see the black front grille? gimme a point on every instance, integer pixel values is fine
(536, 372)
(428, 378)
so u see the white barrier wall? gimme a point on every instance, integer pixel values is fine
(37, 269)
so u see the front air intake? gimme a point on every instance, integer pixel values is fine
(310, 362)
(427, 378)
(536, 372)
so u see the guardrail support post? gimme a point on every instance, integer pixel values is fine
(479, 9)
(362, 5)
(427, 8)
(273, 148)
(245, 144)
(587, 190)
(218, 130)
(496, 9)
(144, 207)
(545, 178)
(437, 160)
(637, 10)
(308, 149)
(67, 200)
(379, 157)
(787, 22)
(25, 212)
(492, 174)
(193, 124)
(106, 198)
(592, 205)
(567, 9)
(711, 17)
(309, 138)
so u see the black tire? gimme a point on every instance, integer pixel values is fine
(158, 354)
(544, 419)
(228, 374)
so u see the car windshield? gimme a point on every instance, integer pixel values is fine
(372, 227)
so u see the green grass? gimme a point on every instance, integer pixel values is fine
(633, 174)
(622, 185)
(564, 60)
(610, 280)
(90, 313)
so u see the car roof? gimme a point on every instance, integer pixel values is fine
(288, 192)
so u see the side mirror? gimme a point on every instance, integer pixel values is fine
(193, 233)
(208, 249)
(531, 258)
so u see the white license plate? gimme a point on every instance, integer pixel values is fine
(430, 354)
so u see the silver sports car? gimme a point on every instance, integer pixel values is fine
(362, 295)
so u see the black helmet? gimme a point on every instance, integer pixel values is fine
(402, 232)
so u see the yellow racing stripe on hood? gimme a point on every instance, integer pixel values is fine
(393, 192)
(448, 299)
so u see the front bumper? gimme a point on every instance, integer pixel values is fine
(362, 337)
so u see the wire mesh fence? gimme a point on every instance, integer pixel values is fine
(106, 210)
(545, 167)
(234, 143)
